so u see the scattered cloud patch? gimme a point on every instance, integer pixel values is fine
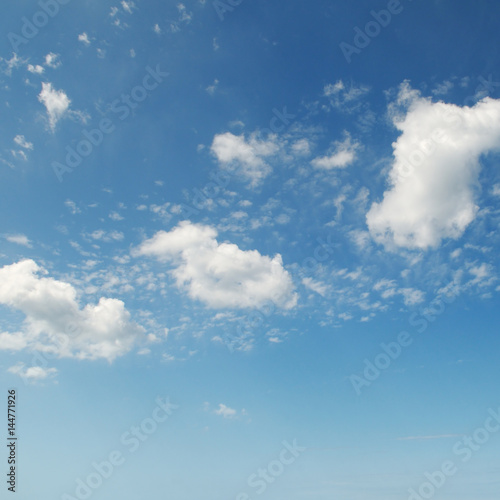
(345, 97)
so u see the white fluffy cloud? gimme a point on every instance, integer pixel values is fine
(246, 157)
(434, 176)
(56, 324)
(36, 69)
(84, 38)
(220, 274)
(343, 155)
(52, 60)
(56, 103)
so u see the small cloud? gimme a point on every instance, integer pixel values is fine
(56, 103)
(72, 206)
(83, 37)
(101, 235)
(157, 29)
(14, 62)
(19, 154)
(18, 239)
(212, 88)
(20, 140)
(345, 98)
(316, 286)
(345, 316)
(128, 6)
(33, 373)
(184, 15)
(443, 88)
(343, 155)
(225, 411)
(101, 53)
(301, 147)
(37, 69)
(52, 60)
(115, 216)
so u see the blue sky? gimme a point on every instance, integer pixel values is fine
(249, 250)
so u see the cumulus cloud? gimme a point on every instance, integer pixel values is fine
(56, 103)
(56, 324)
(246, 157)
(220, 274)
(434, 176)
(343, 155)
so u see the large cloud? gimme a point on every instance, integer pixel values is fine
(54, 321)
(434, 176)
(220, 274)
